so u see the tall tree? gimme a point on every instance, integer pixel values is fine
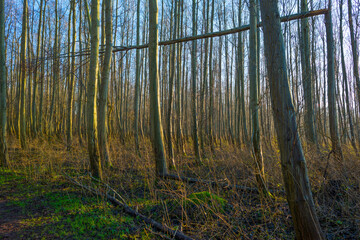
(24, 42)
(297, 186)
(333, 121)
(345, 79)
(104, 87)
(137, 81)
(71, 80)
(307, 76)
(193, 86)
(4, 157)
(254, 97)
(155, 117)
(170, 150)
(354, 47)
(92, 130)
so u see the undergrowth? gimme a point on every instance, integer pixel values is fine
(199, 210)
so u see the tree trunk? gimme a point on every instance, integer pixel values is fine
(137, 83)
(333, 122)
(345, 79)
(293, 162)
(307, 78)
(354, 46)
(4, 157)
(104, 87)
(92, 130)
(71, 80)
(193, 87)
(254, 99)
(24, 42)
(155, 117)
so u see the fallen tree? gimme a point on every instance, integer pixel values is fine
(112, 199)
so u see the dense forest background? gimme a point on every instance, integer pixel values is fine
(208, 117)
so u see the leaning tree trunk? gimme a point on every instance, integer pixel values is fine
(95, 164)
(24, 42)
(4, 157)
(293, 162)
(155, 117)
(104, 87)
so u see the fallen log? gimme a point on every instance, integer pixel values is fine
(174, 233)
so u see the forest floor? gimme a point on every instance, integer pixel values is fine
(37, 201)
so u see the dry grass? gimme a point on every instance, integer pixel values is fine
(243, 216)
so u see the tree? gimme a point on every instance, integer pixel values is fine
(24, 42)
(104, 87)
(137, 81)
(293, 163)
(345, 79)
(354, 50)
(307, 77)
(334, 132)
(155, 117)
(34, 123)
(71, 80)
(254, 98)
(193, 87)
(4, 157)
(92, 131)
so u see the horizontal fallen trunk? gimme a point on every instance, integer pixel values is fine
(242, 28)
(132, 212)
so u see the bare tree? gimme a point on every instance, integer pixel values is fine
(104, 87)
(155, 117)
(24, 42)
(4, 157)
(297, 186)
(92, 130)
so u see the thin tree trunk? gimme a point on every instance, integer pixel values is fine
(193, 86)
(345, 79)
(71, 80)
(24, 42)
(104, 87)
(137, 82)
(307, 77)
(92, 130)
(334, 132)
(4, 157)
(155, 117)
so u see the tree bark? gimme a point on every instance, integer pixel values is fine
(24, 42)
(293, 162)
(71, 80)
(4, 157)
(333, 121)
(104, 87)
(307, 77)
(155, 117)
(92, 130)
(193, 87)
